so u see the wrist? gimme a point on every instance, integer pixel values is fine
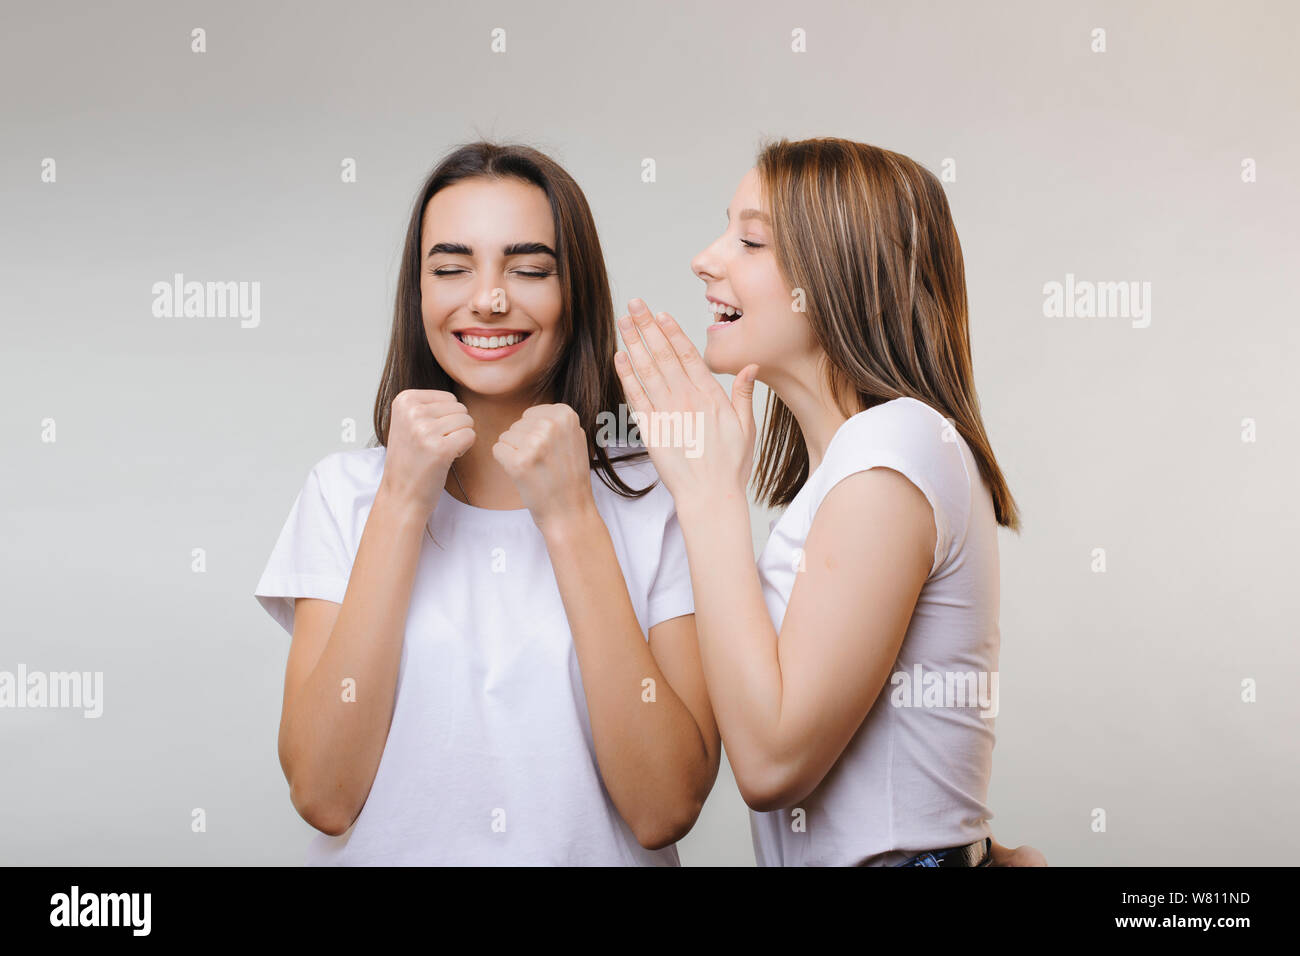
(574, 523)
(406, 511)
(701, 508)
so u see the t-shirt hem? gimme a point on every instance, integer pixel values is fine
(668, 607)
(942, 540)
(277, 595)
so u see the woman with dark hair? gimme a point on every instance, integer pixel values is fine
(494, 655)
(853, 672)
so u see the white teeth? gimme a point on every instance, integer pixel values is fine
(492, 341)
(718, 308)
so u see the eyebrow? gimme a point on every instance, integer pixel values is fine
(514, 249)
(752, 214)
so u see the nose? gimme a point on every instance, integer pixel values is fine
(707, 265)
(488, 296)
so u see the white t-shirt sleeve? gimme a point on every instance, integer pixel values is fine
(914, 440)
(311, 558)
(670, 594)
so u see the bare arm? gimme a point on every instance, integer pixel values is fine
(331, 744)
(658, 758)
(783, 711)
(789, 705)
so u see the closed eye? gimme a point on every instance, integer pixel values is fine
(523, 272)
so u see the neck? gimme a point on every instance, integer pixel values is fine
(805, 392)
(486, 483)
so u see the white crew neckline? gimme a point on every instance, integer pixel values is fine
(840, 431)
(449, 504)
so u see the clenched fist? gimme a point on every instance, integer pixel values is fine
(545, 455)
(427, 431)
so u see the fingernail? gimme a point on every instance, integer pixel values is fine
(624, 322)
(636, 305)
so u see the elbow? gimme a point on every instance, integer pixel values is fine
(328, 813)
(761, 798)
(668, 820)
(330, 817)
(660, 830)
(330, 825)
(771, 787)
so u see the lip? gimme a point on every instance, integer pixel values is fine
(491, 355)
(721, 325)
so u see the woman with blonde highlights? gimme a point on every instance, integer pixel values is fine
(853, 671)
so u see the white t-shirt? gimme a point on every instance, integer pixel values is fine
(489, 759)
(915, 775)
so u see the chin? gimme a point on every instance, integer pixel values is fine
(492, 387)
(720, 363)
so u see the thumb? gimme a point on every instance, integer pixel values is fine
(742, 396)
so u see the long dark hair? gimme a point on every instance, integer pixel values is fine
(581, 374)
(868, 235)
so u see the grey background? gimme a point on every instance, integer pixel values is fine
(1119, 690)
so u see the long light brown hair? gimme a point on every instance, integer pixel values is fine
(868, 236)
(581, 374)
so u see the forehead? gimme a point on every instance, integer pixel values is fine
(749, 194)
(493, 211)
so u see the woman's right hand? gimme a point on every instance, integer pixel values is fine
(1021, 856)
(427, 430)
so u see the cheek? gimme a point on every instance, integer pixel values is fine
(543, 301)
(759, 285)
(774, 290)
(433, 304)
(542, 304)
(772, 321)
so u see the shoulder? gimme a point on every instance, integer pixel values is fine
(903, 424)
(346, 477)
(917, 441)
(358, 465)
(904, 431)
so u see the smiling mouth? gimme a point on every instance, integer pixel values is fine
(499, 340)
(724, 313)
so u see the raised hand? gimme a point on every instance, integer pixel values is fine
(665, 380)
(427, 431)
(545, 455)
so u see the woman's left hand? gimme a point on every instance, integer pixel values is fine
(700, 439)
(545, 455)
